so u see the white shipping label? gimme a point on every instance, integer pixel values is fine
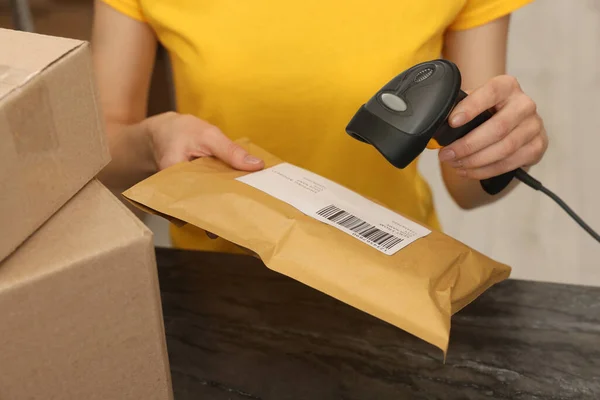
(337, 206)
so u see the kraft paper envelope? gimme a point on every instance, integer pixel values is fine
(328, 238)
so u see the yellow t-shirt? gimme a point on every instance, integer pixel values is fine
(290, 75)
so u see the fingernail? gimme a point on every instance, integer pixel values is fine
(458, 119)
(462, 172)
(251, 160)
(447, 155)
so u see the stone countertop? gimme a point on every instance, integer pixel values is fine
(237, 330)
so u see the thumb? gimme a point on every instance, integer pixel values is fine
(230, 152)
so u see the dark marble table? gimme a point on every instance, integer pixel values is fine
(236, 330)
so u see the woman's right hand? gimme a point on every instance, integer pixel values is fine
(176, 138)
(141, 145)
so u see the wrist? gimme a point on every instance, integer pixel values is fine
(152, 128)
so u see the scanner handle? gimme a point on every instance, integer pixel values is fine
(446, 135)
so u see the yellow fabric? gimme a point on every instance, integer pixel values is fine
(290, 75)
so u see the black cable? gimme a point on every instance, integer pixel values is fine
(537, 185)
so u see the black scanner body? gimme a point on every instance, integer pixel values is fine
(411, 110)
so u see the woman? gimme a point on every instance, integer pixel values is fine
(289, 75)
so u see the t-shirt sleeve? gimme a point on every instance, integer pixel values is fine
(479, 12)
(130, 8)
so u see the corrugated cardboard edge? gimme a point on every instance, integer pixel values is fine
(35, 74)
(81, 46)
(87, 47)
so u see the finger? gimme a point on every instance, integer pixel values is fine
(492, 131)
(230, 152)
(527, 155)
(490, 95)
(504, 148)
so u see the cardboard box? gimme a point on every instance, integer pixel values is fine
(80, 306)
(51, 133)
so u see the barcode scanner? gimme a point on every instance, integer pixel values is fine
(410, 113)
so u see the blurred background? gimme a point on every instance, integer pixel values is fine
(554, 51)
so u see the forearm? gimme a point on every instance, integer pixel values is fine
(123, 52)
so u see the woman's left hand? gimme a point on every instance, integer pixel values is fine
(513, 138)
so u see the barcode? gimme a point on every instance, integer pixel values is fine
(357, 225)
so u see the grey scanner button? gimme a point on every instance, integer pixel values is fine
(393, 102)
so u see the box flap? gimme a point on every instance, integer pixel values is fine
(24, 55)
(93, 222)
